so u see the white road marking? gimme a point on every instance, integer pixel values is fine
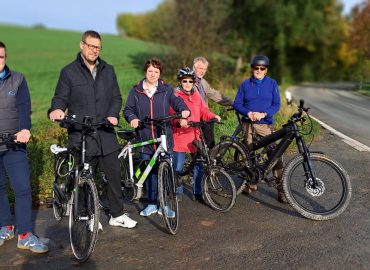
(355, 144)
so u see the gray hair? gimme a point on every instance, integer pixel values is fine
(200, 59)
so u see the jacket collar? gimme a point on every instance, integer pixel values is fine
(139, 86)
(7, 73)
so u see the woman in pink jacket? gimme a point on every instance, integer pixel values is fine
(183, 137)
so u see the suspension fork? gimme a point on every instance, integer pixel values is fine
(308, 167)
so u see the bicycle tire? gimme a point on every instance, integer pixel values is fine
(167, 196)
(129, 191)
(232, 156)
(219, 190)
(84, 225)
(329, 199)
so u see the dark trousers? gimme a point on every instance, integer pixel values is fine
(110, 165)
(14, 163)
(209, 135)
(151, 181)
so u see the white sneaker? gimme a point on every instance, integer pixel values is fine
(123, 221)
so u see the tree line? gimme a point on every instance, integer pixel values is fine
(306, 40)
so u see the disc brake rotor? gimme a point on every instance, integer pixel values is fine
(315, 191)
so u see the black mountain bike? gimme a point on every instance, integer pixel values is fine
(218, 188)
(316, 186)
(74, 190)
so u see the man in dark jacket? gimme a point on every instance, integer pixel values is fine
(15, 118)
(88, 87)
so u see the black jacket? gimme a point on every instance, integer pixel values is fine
(81, 95)
(139, 105)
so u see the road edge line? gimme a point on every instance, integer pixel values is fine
(351, 142)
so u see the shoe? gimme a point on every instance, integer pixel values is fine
(249, 188)
(150, 209)
(6, 234)
(168, 211)
(179, 197)
(281, 197)
(33, 243)
(197, 197)
(122, 221)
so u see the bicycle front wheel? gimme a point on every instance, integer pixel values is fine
(167, 197)
(232, 156)
(84, 220)
(219, 190)
(325, 200)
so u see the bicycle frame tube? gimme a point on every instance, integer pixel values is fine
(128, 150)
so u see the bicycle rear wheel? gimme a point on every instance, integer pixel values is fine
(325, 201)
(233, 157)
(167, 197)
(84, 220)
(219, 190)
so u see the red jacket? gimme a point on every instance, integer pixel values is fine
(182, 136)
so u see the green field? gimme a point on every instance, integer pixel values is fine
(41, 53)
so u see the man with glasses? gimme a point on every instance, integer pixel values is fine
(200, 67)
(258, 98)
(88, 87)
(15, 118)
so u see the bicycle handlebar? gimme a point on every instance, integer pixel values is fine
(202, 123)
(87, 122)
(6, 138)
(160, 120)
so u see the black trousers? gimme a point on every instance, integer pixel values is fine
(110, 165)
(209, 135)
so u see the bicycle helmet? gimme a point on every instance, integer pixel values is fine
(260, 60)
(185, 73)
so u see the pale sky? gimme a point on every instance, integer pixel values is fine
(82, 15)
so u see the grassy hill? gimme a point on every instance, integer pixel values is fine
(41, 53)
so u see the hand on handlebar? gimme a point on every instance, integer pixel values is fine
(57, 114)
(23, 136)
(113, 120)
(185, 114)
(134, 123)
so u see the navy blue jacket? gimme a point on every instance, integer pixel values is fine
(139, 106)
(258, 97)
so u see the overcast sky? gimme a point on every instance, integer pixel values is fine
(82, 15)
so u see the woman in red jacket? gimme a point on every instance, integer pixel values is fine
(184, 136)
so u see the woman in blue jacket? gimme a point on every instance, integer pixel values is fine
(258, 98)
(152, 97)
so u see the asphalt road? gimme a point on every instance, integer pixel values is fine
(343, 110)
(258, 233)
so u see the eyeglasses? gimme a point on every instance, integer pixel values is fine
(187, 81)
(259, 68)
(92, 47)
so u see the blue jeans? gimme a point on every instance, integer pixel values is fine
(14, 163)
(178, 165)
(151, 181)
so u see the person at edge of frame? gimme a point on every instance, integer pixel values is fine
(152, 97)
(88, 87)
(258, 98)
(15, 118)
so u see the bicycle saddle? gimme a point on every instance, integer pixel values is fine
(126, 134)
